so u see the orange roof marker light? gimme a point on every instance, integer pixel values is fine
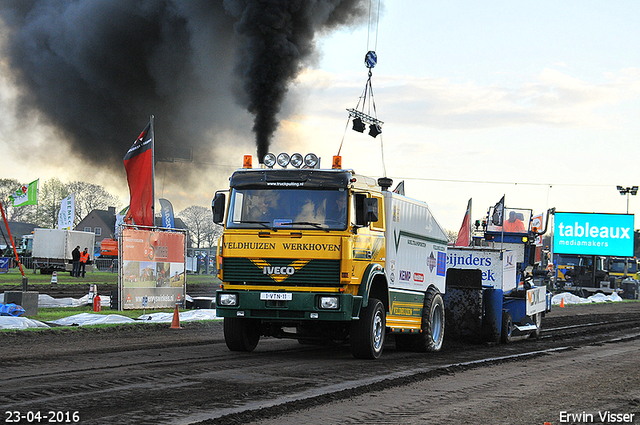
(337, 162)
(247, 162)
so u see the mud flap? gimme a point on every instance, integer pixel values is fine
(463, 305)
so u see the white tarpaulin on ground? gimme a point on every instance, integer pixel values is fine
(574, 299)
(47, 301)
(186, 316)
(84, 319)
(11, 322)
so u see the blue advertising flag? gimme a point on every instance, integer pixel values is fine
(166, 211)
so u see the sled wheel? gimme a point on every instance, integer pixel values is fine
(507, 327)
(537, 320)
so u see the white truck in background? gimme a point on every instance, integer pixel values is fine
(52, 249)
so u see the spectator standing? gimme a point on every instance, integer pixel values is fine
(75, 257)
(84, 257)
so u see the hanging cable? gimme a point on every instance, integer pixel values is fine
(377, 18)
(365, 111)
(375, 46)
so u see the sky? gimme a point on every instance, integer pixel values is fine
(536, 101)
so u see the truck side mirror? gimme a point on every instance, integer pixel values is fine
(217, 206)
(366, 209)
(371, 210)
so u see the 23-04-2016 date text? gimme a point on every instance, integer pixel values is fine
(43, 417)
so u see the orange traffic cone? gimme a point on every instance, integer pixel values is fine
(561, 303)
(175, 323)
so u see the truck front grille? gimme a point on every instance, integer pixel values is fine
(257, 272)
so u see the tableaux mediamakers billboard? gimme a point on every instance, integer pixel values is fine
(152, 270)
(593, 234)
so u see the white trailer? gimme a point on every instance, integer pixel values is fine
(52, 248)
(416, 249)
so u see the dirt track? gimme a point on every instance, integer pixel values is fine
(152, 374)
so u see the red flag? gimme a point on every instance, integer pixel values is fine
(139, 165)
(464, 234)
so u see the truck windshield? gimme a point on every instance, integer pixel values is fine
(617, 266)
(288, 208)
(564, 260)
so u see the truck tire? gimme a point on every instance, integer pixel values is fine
(433, 321)
(432, 335)
(367, 334)
(241, 334)
(507, 328)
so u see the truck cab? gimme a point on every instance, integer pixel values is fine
(584, 275)
(326, 255)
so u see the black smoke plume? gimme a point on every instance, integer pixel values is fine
(278, 37)
(96, 69)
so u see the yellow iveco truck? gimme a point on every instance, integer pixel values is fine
(327, 255)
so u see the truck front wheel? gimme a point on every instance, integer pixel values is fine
(241, 334)
(367, 333)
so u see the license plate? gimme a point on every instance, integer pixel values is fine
(275, 296)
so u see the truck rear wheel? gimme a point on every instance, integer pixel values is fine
(367, 334)
(241, 334)
(432, 335)
(433, 321)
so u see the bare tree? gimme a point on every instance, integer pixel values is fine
(214, 234)
(52, 192)
(451, 235)
(202, 231)
(89, 197)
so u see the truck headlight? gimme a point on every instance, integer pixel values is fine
(228, 300)
(329, 303)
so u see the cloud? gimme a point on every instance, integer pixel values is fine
(551, 98)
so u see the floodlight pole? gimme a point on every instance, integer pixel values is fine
(628, 191)
(627, 202)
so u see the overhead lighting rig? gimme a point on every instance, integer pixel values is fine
(359, 120)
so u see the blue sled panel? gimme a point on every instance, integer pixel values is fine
(516, 307)
(492, 319)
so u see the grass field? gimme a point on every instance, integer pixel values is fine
(14, 277)
(47, 314)
(50, 314)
